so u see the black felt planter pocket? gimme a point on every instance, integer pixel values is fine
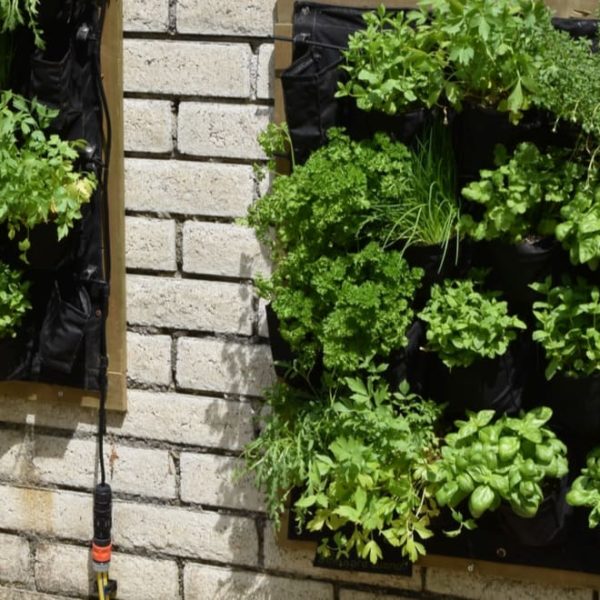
(63, 330)
(283, 354)
(404, 128)
(51, 83)
(576, 406)
(545, 527)
(488, 384)
(310, 104)
(516, 266)
(477, 131)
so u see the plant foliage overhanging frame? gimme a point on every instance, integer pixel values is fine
(495, 562)
(112, 76)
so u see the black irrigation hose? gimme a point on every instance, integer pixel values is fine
(104, 212)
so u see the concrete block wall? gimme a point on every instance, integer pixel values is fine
(197, 81)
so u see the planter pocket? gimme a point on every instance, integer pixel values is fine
(51, 83)
(576, 406)
(488, 384)
(515, 266)
(63, 330)
(310, 106)
(547, 524)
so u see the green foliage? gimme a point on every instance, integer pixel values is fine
(465, 325)
(395, 63)
(38, 182)
(428, 214)
(585, 490)
(567, 327)
(488, 462)
(14, 302)
(326, 204)
(523, 195)
(350, 306)
(579, 226)
(360, 453)
(14, 13)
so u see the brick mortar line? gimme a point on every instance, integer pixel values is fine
(208, 38)
(198, 334)
(181, 275)
(175, 155)
(181, 217)
(200, 98)
(129, 441)
(176, 389)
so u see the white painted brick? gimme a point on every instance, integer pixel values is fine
(148, 125)
(354, 595)
(224, 130)
(187, 68)
(149, 358)
(225, 250)
(201, 581)
(298, 560)
(185, 532)
(193, 420)
(15, 565)
(150, 244)
(209, 479)
(264, 86)
(146, 15)
(179, 187)
(263, 326)
(479, 587)
(61, 514)
(66, 461)
(226, 17)
(189, 304)
(65, 569)
(208, 364)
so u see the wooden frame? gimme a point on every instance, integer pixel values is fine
(283, 59)
(112, 61)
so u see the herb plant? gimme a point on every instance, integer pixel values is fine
(14, 302)
(14, 13)
(38, 180)
(585, 490)
(360, 454)
(465, 325)
(350, 306)
(508, 460)
(428, 214)
(395, 63)
(523, 196)
(567, 327)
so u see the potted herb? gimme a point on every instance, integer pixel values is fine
(567, 320)
(511, 464)
(516, 208)
(470, 332)
(585, 490)
(359, 453)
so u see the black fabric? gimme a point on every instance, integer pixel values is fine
(61, 340)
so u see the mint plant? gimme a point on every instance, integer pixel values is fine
(465, 325)
(489, 462)
(38, 180)
(567, 327)
(14, 301)
(585, 490)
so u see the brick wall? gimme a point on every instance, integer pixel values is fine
(197, 93)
